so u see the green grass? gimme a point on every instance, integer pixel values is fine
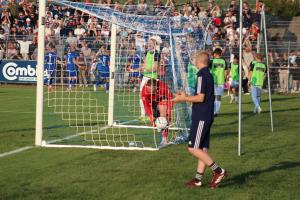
(268, 169)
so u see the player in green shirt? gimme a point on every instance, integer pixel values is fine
(257, 77)
(234, 80)
(192, 76)
(149, 68)
(219, 71)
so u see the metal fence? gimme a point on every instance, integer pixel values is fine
(284, 56)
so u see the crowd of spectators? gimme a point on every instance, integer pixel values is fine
(19, 19)
(66, 27)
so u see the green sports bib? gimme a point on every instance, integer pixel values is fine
(234, 71)
(149, 66)
(258, 74)
(192, 75)
(218, 71)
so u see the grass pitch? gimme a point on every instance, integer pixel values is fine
(268, 169)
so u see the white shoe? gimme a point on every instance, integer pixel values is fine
(132, 144)
(259, 110)
(95, 88)
(255, 110)
(163, 143)
(236, 99)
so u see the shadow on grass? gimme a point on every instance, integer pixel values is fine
(250, 113)
(269, 149)
(224, 134)
(56, 127)
(266, 100)
(246, 115)
(283, 98)
(242, 178)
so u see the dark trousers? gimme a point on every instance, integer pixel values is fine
(245, 85)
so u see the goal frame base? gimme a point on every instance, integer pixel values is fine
(100, 147)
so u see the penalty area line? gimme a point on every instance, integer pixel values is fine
(15, 151)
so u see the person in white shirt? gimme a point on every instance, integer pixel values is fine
(140, 43)
(24, 48)
(292, 59)
(142, 8)
(79, 31)
(71, 40)
(86, 50)
(202, 14)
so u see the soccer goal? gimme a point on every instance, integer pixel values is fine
(104, 104)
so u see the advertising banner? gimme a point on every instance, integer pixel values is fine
(16, 71)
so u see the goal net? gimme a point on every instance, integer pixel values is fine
(106, 98)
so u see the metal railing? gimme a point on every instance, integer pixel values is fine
(284, 67)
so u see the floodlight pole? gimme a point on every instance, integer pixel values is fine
(268, 69)
(259, 38)
(240, 80)
(40, 74)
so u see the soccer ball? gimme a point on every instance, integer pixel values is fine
(132, 144)
(161, 123)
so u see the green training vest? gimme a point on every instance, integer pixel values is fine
(258, 74)
(234, 71)
(192, 75)
(149, 66)
(218, 71)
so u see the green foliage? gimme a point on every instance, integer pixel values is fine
(269, 168)
(283, 8)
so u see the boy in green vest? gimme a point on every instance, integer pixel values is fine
(192, 76)
(219, 72)
(256, 77)
(234, 80)
(149, 68)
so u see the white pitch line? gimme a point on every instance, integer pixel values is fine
(15, 151)
(11, 111)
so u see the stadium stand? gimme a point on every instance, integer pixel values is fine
(66, 27)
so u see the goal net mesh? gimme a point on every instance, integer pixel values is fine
(79, 116)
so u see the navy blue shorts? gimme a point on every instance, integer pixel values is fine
(104, 74)
(199, 134)
(72, 74)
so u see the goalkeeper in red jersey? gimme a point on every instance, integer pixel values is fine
(156, 98)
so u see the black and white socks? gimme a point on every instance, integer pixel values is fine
(216, 168)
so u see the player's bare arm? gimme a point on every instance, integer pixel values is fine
(182, 97)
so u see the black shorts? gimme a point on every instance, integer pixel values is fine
(199, 134)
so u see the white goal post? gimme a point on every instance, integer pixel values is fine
(40, 75)
(72, 115)
(82, 118)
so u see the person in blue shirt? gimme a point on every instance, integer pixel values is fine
(71, 67)
(202, 119)
(134, 64)
(103, 62)
(50, 67)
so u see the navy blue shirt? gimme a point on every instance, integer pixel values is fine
(205, 85)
